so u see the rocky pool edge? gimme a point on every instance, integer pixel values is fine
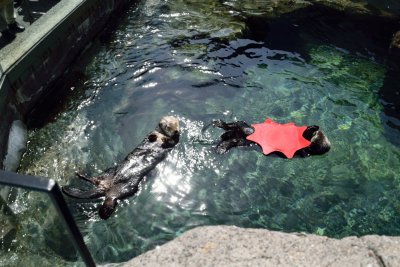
(235, 246)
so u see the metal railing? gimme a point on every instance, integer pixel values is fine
(51, 188)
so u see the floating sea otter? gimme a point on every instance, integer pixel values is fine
(123, 180)
(287, 139)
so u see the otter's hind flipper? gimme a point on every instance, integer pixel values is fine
(223, 125)
(78, 193)
(107, 208)
(235, 126)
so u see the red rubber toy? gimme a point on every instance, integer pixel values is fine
(285, 138)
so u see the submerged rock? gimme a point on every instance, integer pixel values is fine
(276, 8)
(396, 41)
(395, 49)
(7, 225)
(271, 9)
(359, 7)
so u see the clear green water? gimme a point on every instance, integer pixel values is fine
(199, 62)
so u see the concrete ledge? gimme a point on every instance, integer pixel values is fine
(234, 246)
(33, 34)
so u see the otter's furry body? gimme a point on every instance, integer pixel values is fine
(123, 180)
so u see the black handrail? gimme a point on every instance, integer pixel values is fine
(50, 187)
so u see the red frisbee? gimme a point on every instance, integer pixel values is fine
(272, 136)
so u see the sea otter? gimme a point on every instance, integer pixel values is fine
(123, 180)
(236, 133)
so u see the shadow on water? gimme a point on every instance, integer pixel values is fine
(71, 85)
(366, 35)
(390, 99)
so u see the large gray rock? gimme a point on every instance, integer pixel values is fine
(233, 246)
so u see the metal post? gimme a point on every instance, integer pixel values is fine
(73, 230)
(50, 187)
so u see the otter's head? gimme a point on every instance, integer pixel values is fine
(319, 142)
(169, 126)
(310, 131)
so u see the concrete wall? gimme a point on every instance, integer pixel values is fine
(38, 56)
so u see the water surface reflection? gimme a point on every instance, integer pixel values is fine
(199, 62)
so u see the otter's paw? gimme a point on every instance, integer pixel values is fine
(218, 123)
(152, 137)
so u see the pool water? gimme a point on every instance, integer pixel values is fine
(205, 61)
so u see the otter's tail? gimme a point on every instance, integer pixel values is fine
(78, 193)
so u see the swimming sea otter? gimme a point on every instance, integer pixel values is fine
(123, 180)
(236, 133)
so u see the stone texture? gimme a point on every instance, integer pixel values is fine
(395, 49)
(233, 246)
(396, 41)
